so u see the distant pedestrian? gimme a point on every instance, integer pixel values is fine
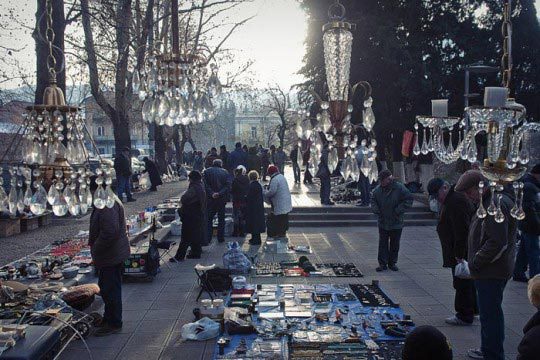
(209, 160)
(528, 253)
(295, 164)
(218, 187)
(308, 176)
(491, 259)
(240, 187)
(389, 202)
(279, 160)
(192, 213)
(109, 246)
(182, 172)
(278, 196)
(455, 213)
(198, 161)
(323, 173)
(265, 163)
(255, 221)
(122, 167)
(529, 347)
(253, 161)
(238, 157)
(364, 185)
(224, 156)
(153, 173)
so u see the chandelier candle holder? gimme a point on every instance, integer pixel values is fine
(334, 119)
(54, 154)
(501, 119)
(178, 87)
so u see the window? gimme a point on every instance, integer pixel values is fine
(100, 131)
(253, 132)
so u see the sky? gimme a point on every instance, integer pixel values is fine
(273, 39)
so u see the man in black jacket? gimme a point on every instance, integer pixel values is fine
(528, 252)
(323, 173)
(455, 214)
(217, 184)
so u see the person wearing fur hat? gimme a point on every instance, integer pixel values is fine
(529, 347)
(278, 196)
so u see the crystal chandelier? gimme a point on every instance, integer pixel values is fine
(334, 120)
(178, 86)
(54, 155)
(501, 120)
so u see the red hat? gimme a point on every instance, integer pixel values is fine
(272, 169)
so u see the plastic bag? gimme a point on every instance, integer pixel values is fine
(462, 270)
(203, 329)
(144, 181)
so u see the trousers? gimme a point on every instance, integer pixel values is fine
(364, 188)
(325, 189)
(123, 186)
(216, 207)
(110, 285)
(528, 254)
(490, 297)
(388, 246)
(465, 299)
(296, 171)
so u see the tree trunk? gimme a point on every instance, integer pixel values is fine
(122, 137)
(42, 48)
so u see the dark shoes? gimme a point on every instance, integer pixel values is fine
(381, 268)
(393, 267)
(107, 330)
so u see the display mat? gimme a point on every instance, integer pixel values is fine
(322, 321)
(292, 269)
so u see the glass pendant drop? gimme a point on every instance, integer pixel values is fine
(38, 203)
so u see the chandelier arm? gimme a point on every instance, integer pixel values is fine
(506, 59)
(365, 85)
(440, 149)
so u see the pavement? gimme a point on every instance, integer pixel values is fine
(155, 312)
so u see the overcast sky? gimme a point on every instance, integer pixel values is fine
(273, 39)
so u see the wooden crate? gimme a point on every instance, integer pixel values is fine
(9, 227)
(45, 219)
(28, 224)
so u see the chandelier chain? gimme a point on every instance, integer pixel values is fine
(49, 34)
(506, 60)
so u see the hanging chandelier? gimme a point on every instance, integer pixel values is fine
(54, 155)
(502, 120)
(178, 86)
(333, 123)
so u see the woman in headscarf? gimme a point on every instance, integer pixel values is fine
(153, 173)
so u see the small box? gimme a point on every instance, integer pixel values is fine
(45, 219)
(30, 223)
(10, 227)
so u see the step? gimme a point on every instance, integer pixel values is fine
(352, 223)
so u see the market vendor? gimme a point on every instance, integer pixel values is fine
(109, 246)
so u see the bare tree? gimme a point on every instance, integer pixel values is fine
(279, 102)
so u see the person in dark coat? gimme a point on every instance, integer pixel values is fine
(455, 216)
(224, 156)
(193, 214)
(323, 173)
(153, 172)
(308, 176)
(528, 253)
(238, 157)
(255, 220)
(254, 161)
(198, 161)
(109, 246)
(265, 162)
(426, 342)
(122, 167)
(295, 165)
(239, 191)
(218, 186)
(529, 347)
(209, 160)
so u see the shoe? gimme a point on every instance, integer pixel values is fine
(174, 259)
(393, 267)
(381, 268)
(475, 354)
(107, 330)
(522, 279)
(454, 320)
(131, 200)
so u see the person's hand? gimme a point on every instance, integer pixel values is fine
(215, 195)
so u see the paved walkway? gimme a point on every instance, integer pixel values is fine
(155, 312)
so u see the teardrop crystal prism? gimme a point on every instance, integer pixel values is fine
(27, 199)
(20, 203)
(416, 148)
(100, 197)
(38, 203)
(82, 201)
(368, 118)
(13, 200)
(110, 197)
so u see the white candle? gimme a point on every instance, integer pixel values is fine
(495, 96)
(439, 108)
